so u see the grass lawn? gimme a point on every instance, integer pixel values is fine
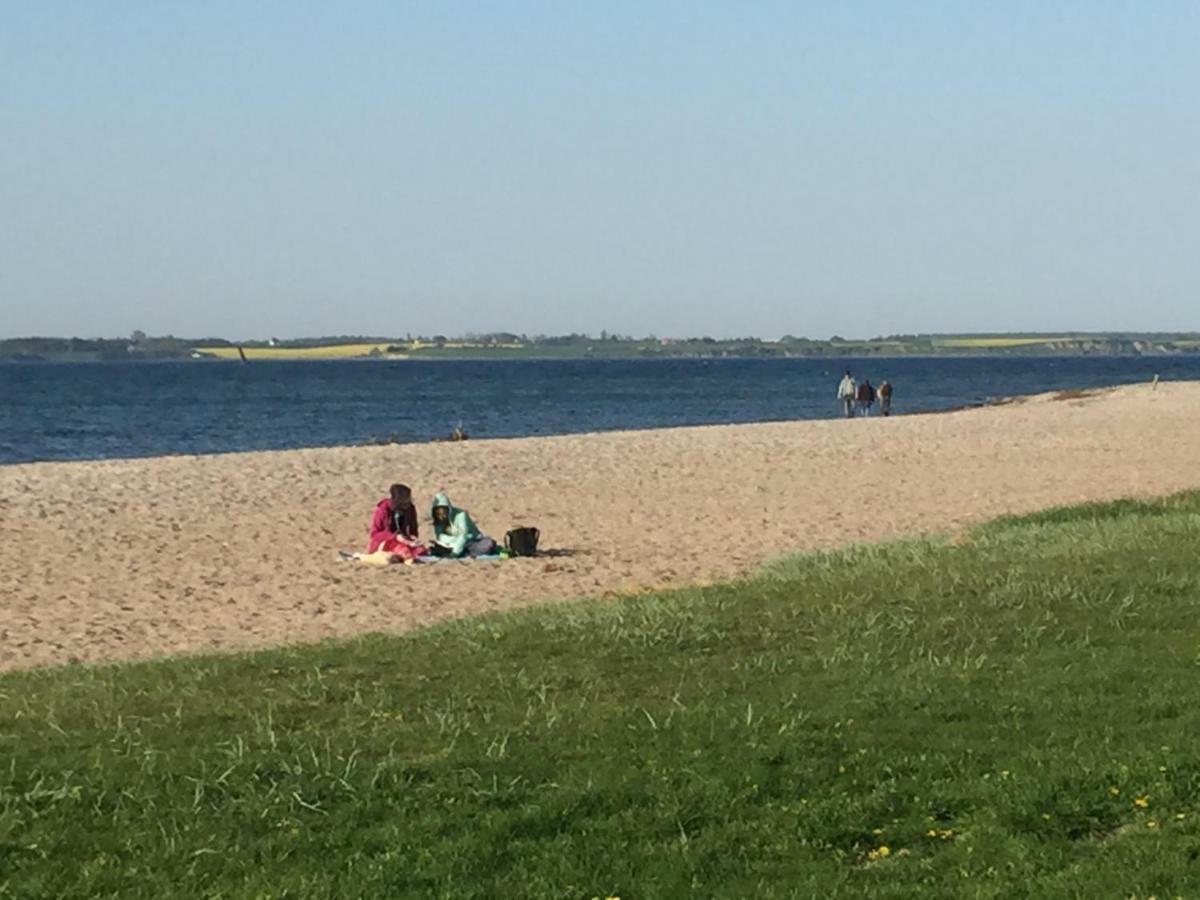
(1011, 714)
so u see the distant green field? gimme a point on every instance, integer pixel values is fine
(1012, 713)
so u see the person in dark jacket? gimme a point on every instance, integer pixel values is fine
(866, 397)
(885, 397)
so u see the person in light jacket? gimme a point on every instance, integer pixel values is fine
(455, 532)
(846, 392)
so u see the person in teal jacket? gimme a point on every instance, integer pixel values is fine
(455, 532)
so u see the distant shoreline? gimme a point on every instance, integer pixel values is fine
(607, 347)
(834, 416)
(484, 357)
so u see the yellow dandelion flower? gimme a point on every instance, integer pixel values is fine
(1179, 817)
(876, 831)
(932, 832)
(885, 852)
(1141, 802)
(1151, 824)
(1115, 791)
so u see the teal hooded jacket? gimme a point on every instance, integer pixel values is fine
(458, 531)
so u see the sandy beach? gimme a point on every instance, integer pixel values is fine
(127, 559)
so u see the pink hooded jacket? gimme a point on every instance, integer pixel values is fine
(383, 525)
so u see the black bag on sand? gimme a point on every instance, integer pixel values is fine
(522, 541)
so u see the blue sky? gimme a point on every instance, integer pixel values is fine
(253, 169)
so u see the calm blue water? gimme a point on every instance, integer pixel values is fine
(54, 411)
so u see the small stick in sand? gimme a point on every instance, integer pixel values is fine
(1154, 383)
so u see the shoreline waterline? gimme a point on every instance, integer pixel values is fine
(986, 403)
(113, 411)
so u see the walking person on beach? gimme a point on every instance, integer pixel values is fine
(885, 397)
(845, 393)
(866, 397)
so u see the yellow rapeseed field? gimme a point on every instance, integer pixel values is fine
(997, 341)
(333, 351)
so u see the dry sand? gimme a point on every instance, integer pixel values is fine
(138, 558)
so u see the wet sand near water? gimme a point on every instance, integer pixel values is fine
(128, 559)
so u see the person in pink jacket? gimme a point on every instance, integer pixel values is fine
(394, 525)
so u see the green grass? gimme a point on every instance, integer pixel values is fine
(988, 710)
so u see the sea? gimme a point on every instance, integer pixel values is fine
(73, 411)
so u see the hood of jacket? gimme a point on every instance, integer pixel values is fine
(441, 500)
(453, 514)
(458, 527)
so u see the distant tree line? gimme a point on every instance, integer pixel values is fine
(137, 346)
(141, 346)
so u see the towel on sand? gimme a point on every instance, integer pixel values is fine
(384, 558)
